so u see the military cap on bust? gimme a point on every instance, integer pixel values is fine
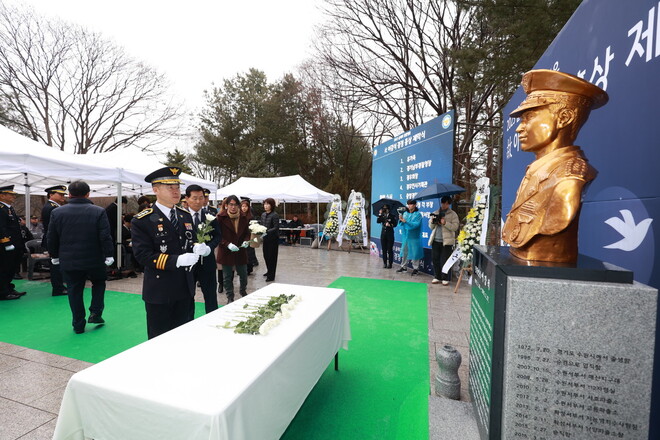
(9, 189)
(56, 189)
(544, 87)
(165, 175)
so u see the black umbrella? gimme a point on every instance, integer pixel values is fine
(438, 190)
(378, 205)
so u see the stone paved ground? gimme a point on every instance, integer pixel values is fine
(32, 382)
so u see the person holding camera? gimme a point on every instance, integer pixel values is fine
(411, 245)
(388, 221)
(443, 223)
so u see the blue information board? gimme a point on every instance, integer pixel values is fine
(407, 164)
(615, 45)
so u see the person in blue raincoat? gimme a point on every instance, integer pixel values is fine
(411, 244)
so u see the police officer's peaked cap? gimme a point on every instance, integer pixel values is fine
(166, 175)
(56, 189)
(207, 191)
(544, 87)
(9, 189)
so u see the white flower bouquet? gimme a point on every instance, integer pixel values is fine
(471, 233)
(258, 318)
(257, 232)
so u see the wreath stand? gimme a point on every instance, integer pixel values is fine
(464, 270)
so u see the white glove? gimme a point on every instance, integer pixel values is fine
(10, 248)
(187, 259)
(201, 249)
(232, 247)
(245, 244)
(109, 261)
(55, 261)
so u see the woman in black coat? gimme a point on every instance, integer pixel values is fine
(271, 221)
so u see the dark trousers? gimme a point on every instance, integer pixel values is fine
(387, 244)
(56, 279)
(162, 318)
(252, 259)
(440, 254)
(205, 274)
(228, 279)
(9, 261)
(75, 280)
(271, 249)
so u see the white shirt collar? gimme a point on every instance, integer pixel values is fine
(164, 209)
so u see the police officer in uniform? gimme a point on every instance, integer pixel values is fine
(163, 239)
(211, 210)
(205, 272)
(56, 198)
(11, 243)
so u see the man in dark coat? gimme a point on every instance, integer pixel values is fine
(388, 222)
(112, 211)
(56, 198)
(163, 241)
(205, 272)
(79, 242)
(232, 252)
(11, 243)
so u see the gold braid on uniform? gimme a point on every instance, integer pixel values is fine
(162, 260)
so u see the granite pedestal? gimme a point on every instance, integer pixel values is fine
(560, 351)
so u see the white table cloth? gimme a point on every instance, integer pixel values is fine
(201, 382)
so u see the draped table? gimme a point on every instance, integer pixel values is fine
(201, 382)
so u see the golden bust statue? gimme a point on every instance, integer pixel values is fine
(543, 222)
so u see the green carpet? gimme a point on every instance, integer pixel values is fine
(43, 322)
(382, 387)
(380, 391)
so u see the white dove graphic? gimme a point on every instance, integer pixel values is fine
(633, 234)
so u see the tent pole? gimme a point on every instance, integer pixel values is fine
(284, 203)
(28, 213)
(120, 219)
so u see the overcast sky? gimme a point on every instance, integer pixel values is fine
(198, 42)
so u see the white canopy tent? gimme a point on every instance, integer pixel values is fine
(32, 167)
(291, 189)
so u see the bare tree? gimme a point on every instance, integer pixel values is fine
(74, 90)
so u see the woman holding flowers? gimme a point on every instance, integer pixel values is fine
(271, 221)
(232, 253)
(443, 223)
(246, 210)
(411, 245)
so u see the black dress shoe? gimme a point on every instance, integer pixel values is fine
(79, 330)
(14, 292)
(389, 266)
(17, 276)
(266, 274)
(414, 272)
(95, 319)
(384, 266)
(270, 279)
(61, 293)
(402, 269)
(9, 296)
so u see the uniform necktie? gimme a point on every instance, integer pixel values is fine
(196, 220)
(173, 218)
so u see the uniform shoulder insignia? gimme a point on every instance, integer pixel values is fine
(181, 209)
(576, 167)
(144, 213)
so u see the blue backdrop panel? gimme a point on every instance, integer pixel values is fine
(615, 45)
(407, 164)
